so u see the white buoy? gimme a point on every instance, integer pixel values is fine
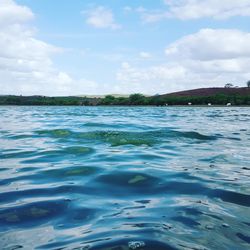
(189, 103)
(209, 104)
(229, 104)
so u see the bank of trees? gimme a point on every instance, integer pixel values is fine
(138, 99)
(44, 100)
(135, 99)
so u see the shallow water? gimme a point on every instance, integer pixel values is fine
(124, 178)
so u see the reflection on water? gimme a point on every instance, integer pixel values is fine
(124, 178)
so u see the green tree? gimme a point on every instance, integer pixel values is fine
(137, 99)
(108, 100)
(248, 84)
(229, 85)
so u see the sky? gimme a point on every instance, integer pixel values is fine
(83, 47)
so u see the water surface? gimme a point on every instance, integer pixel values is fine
(124, 178)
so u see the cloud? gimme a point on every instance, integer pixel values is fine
(10, 13)
(149, 80)
(209, 44)
(101, 17)
(145, 55)
(195, 9)
(127, 9)
(26, 65)
(207, 58)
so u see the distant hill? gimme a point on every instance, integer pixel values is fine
(204, 92)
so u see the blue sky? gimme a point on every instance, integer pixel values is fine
(79, 47)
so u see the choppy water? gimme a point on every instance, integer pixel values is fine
(124, 178)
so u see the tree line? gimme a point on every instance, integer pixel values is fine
(139, 99)
(132, 100)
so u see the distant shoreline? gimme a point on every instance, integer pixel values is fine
(197, 97)
(132, 106)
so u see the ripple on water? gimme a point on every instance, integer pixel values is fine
(32, 214)
(114, 178)
(119, 138)
(128, 183)
(58, 155)
(64, 174)
(124, 244)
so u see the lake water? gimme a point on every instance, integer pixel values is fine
(124, 178)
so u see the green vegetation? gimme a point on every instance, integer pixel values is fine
(44, 100)
(248, 84)
(138, 99)
(229, 85)
(134, 99)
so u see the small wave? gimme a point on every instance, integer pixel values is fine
(60, 133)
(31, 214)
(133, 244)
(63, 174)
(128, 179)
(119, 138)
(58, 155)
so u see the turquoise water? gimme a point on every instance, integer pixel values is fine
(124, 178)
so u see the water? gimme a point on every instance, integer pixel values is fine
(124, 178)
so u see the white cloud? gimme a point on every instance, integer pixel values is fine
(145, 55)
(208, 58)
(101, 17)
(159, 78)
(151, 16)
(10, 13)
(195, 9)
(127, 9)
(26, 66)
(209, 44)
